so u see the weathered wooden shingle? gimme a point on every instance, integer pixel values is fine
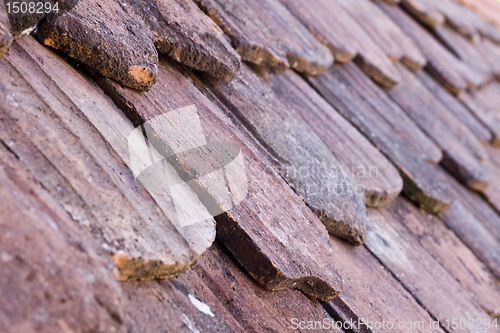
(378, 178)
(391, 39)
(492, 193)
(467, 22)
(464, 49)
(461, 149)
(489, 9)
(107, 37)
(402, 126)
(449, 251)
(464, 115)
(476, 223)
(183, 32)
(225, 285)
(264, 32)
(347, 39)
(450, 71)
(490, 53)
(270, 231)
(5, 34)
(50, 265)
(72, 137)
(417, 269)
(371, 292)
(425, 11)
(483, 112)
(367, 111)
(303, 160)
(463, 20)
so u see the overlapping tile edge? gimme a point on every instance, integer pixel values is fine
(481, 253)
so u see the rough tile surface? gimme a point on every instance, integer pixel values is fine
(87, 165)
(107, 37)
(378, 178)
(335, 27)
(385, 33)
(264, 32)
(183, 32)
(334, 195)
(461, 112)
(450, 71)
(270, 232)
(456, 141)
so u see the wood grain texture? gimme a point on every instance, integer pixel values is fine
(492, 193)
(490, 53)
(462, 19)
(476, 223)
(489, 9)
(373, 172)
(87, 164)
(372, 292)
(264, 32)
(50, 267)
(461, 149)
(347, 39)
(417, 269)
(461, 112)
(222, 283)
(107, 37)
(483, 112)
(403, 127)
(57, 278)
(464, 49)
(271, 231)
(368, 114)
(458, 259)
(300, 155)
(468, 22)
(186, 34)
(175, 305)
(448, 70)
(425, 11)
(385, 33)
(5, 34)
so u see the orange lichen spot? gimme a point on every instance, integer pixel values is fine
(140, 74)
(50, 42)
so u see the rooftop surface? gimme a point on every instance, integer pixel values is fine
(250, 166)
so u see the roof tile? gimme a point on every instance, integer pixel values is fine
(461, 149)
(476, 224)
(417, 269)
(183, 32)
(374, 173)
(264, 32)
(368, 113)
(385, 33)
(450, 71)
(107, 38)
(272, 234)
(335, 27)
(466, 117)
(65, 140)
(334, 195)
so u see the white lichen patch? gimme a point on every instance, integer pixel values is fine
(201, 306)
